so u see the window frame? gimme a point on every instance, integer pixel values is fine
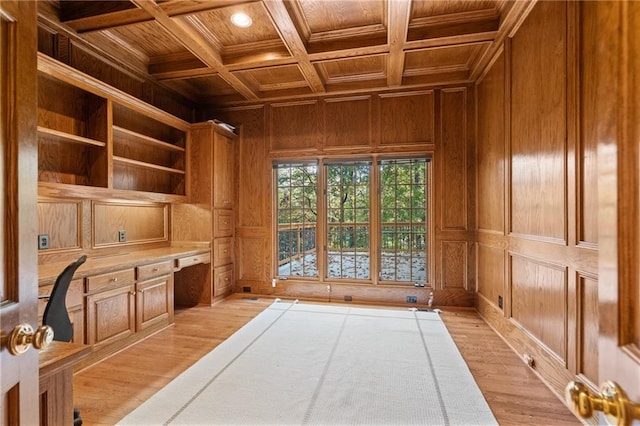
(375, 225)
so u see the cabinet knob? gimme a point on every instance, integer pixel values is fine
(155, 269)
(114, 279)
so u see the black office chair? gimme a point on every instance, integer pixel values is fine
(56, 315)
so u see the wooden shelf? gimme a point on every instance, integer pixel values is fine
(145, 165)
(135, 137)
(64, 137)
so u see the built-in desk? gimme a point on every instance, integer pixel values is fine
(115, 300)
(97, 265)
(56, 381)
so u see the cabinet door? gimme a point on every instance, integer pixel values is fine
(110, 315)
(223, 172)
(154, 301)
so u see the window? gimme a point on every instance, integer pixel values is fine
(348, 227)
(297, 189)
(362, 208)
(403, 224)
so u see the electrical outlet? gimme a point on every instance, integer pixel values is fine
(43, 241)
(412, 299)
(274, 282)
(122, 236)
(500, 302)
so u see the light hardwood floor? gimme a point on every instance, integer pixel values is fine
(107, 391)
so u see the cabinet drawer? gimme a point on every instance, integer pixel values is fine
(222, 223)
(193, 260)
(223, 281)
(154, 270)
(222, 251)
(110, 280)
(74, 295)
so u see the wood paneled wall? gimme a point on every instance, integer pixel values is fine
(85, 226)
(437, 122)
(536, 244)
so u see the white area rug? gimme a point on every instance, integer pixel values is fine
(296, 364)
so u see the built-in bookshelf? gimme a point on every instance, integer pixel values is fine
(95, 137)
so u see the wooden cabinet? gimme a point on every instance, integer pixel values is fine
(125, 302)
(111, 308)
(209, 218)
(93, 135)
(154, 294)
(223, 170)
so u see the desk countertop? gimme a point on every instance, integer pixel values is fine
(47, 273)
(60, 355)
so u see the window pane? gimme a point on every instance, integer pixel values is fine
(348, 227)
(403, 208)
(296, 196)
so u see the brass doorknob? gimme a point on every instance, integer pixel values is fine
(23, 336)
(612, 401)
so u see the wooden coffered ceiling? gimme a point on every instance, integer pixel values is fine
(295, 48)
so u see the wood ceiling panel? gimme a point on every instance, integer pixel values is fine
(275, 78)
(431, 8)
(430, 61)
(353, 69)
(218, 22)
(201, 87)
(334, 15)
(148, 37)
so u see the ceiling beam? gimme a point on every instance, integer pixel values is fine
(399, 12)
(291, 38)
(196, 44)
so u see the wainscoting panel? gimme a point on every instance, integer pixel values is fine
(491, 274)
(61, 220)
(406, 118)
(491, 148)
(294, 126)
(253, 258)
(455, 260)
(453, 155)
(539, 301)
(539, 123)
(347, 123)
(145, 222)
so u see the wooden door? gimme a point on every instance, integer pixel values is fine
(18, 223)
(618, 132)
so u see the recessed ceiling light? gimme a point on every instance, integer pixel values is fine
(241, 20)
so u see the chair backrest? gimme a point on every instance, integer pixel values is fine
(55, 313)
